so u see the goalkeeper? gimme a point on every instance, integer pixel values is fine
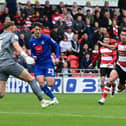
(9, 44)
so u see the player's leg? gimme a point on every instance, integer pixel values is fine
(113, 77)
(113, 88)
(51, 82)
(121, 73)
(50, 73)
(23, 74)
(2, 88)
(102, 74)
(44, 87)
(3, 79)
(113, 83)
(121, 86)
(102, 83)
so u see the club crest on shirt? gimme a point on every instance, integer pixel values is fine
(42, 42)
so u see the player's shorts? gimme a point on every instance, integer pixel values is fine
(45, 70)
(121, 73)
(105, 71)
(14, 70)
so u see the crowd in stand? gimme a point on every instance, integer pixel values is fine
(76, 29)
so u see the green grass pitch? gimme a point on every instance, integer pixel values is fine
(73, 110)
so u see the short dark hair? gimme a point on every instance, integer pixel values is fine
(8, 24)
(37, 24)
(123, 29)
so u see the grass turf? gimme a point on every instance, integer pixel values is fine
(73, 110)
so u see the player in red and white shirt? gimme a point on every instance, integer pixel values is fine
(120, 68)
(108, 58)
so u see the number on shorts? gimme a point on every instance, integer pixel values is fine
(50, 70)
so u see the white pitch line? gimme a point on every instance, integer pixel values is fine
(67, 115)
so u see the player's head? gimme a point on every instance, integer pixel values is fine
(37, 29)
(106, 39)
(10, 26)
(123, 35)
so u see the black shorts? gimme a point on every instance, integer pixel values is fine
(105, 71)
(121, 73)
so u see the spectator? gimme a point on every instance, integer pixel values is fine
(37, 17)
(73, 56)
(85, 40)
(48, 10)
(85, 61)
(18, 19)
(89, 29)
(46, 22)
(90, 17)
(65, 45)
(60, 7)
(38, 8)
(5, 14)
(75, 45)
(74, 8)
(22, 40)
(66, 69)
(87, 7)
(114, 30)
(84, 50)
(27, 33)
(97, 18)
(28, 22)
(20, 7)
(61, 26)
(68, 18)
(12, 6)
(55, 34)
(106, 8)
(56, 16)
(7, 19)
(79, 26)
(98, 36)
(29, 10)
(79, 13)
(96, 27)
(106, 21)
(69, 33)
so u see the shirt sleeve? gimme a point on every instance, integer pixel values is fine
(55, 45)
(32, 49)
(14, 38)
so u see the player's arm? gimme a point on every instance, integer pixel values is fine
(33, 54)
(19, 50)
(57, 49)
(95, 59)
(112, 47)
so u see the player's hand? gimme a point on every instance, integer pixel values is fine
(29, 60)
(57, 61)
(90, 65)
(35, 57)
